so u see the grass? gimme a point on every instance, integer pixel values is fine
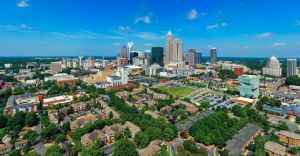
(177, 92)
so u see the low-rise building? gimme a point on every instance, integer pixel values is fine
(27, 102)
(5, 149)
(239, 142)
(48, 102)
(53, 116)
(290, 138)
(275, 149)
(81, 121)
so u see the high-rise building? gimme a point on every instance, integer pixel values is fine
(80, 61)
(177, 51)
(133, 54)
(198, 57)
(169, 48)
(55, 67)
(273, 67)
(213, 55)
(291, 67)
(157, 55)
(249, 86)
(191, 57)
(123, 58)
(130, 47)
(90, 63)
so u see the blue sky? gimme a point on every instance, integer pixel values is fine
(256, 28)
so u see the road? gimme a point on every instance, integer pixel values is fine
(293, 126)
(193, 119)
(107, 150)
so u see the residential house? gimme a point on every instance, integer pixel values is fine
(152, 149)
(5, 149)
(239, 142)
(27, 102)
(275, 149)
(290, 138)
(53, 116)
(81, 121)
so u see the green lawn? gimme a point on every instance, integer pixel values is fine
(177, 91)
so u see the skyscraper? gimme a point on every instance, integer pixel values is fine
(123, 58)
(80, 61)
(273, 67)
(291, 67)
(90, 63)
(169, 48)
(198, 57)
(213, 55)
(191, 57)
(157, 55)
(177, 51)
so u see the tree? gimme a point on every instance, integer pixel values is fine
(16, 122)
(283, 126)
(118, 135)
(141, 139)
(31, 136)
(124, 147)
(168, 134)
(294, 150)
(60, 138)
(54, 150)
(204, 104)
(31, 119)
(14, 152)
(3, 121)
(49, 132)
(94, 149)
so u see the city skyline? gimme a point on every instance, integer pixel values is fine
(33, 28)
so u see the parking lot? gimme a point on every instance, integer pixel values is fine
(214, 100)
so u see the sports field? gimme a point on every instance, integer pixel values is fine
(177, 91)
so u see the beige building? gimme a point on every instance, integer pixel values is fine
(98, 77)
(177, 51)
(169, 48)
(55, 67)
(275, 149)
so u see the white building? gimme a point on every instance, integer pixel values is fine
(154, 69)
(292, 67)
(7, 65)
(228, 65)
(58, 77)
(273, 68)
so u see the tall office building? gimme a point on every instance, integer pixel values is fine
(198, 57)
(249, 86)
(80, 61)
(273, 67)
(123, 59)
(133, 54)
(55, 67)
(90, 63)
(157, 55)
(191, 57)
(291, 67)
(177, 51)
(169, 48)
(213, 56)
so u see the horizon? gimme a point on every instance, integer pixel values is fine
(240, 28)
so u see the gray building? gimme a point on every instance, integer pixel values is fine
(191, 57)
(213, 56)
(291, 67)
(157, 55)
(198, 57)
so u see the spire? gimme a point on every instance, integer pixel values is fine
(169, 32)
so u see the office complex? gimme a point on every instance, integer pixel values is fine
(123, 57)
(169, 50)
(291, 67)
(249, 86)
(173, 50)
(157, 55)
(198, 57)
(191, 57)
(55, 67)
(213, 55)
(273, 67)
(90, 63)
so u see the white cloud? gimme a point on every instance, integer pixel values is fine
(18, 28)
(117, 44)
(23, 4)
(124, 28)
(217, 25)
(149, 36)
(278, 44)
(265, 35)
(146, 19)
(86, 34)
(148, 44)
(192, 14)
